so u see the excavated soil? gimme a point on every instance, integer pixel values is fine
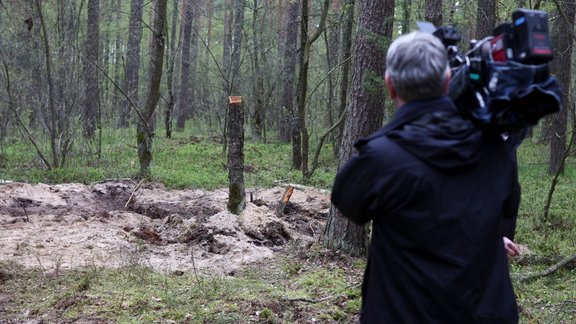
(123, 222)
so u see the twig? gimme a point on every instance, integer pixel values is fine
(548, 271)
(319, 300)
(308, 300)
(133, 191)
(26, 213)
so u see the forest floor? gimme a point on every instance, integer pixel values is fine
(121, 223)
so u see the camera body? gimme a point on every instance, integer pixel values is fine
(503, 81)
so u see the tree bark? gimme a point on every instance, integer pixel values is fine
(236, 187)
(171, 58)
(132, 62)
(258, 82)
(365, 111)
(144, 133)
(300, 136)
(289, 46)
(433, 12)
(53, 128)
(561, 68)
(235, 131)
(485, 18)
(91, 104)
(346, 57)
(184, 98)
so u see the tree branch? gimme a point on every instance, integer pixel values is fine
(549, 271)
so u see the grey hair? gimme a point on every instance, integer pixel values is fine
(417, 64)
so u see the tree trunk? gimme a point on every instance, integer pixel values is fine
(171, 58)
(346, 58)
(144, 133)
(91, 105)
(53, 128)
(561, 67)
(235, 131)
(132, 68)
(116, 98)
(433, 12)
(184, 98)
(366, 110)
(485, 18)
(406, 16)
(332, 43)
(237, 192)
(289, 46)
(258, 82)
(300, 136)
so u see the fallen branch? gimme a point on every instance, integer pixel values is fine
(319, 300)
(308, 300)
(132, 195)
(549, 271)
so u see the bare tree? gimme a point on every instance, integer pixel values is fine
(132, 62)
(365, 111)
(289, 46)
(91, 104)
(300, 136)
(170, 59)
(184, 97)
(53, 126)
(562, 69)
(144, 131)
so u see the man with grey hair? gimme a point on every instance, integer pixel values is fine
(437, 190)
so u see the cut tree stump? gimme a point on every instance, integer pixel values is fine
(284, 200)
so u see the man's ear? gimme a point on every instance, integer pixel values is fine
(390, 86)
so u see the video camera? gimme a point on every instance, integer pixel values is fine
(503, 81)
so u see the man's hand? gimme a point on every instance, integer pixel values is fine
(512, 249)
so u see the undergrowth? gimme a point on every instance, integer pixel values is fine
(291, 289)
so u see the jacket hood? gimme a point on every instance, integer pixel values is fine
(437, 134)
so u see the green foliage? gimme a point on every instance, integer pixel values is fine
(180, 162)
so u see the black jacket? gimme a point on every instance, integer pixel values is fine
(437, 190)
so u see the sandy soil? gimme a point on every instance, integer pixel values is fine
(118, 223)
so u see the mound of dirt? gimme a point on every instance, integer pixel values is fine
(119, 223)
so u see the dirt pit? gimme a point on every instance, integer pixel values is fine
(123, 223)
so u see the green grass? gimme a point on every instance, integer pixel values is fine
(137, 295)
(184, 161)
(264, 294)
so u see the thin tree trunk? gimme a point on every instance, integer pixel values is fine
(53, 129)
(235, 131)
(346, 58)
(144, 133)
(132, 62)
(288, 46)
(561, 67)
(90, 70)
(184, 98)
(300, 142)
(171, 57)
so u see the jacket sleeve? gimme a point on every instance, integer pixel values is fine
(367, 186)
(351, 192)
(512, 203)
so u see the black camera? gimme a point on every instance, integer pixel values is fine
(503, 81)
